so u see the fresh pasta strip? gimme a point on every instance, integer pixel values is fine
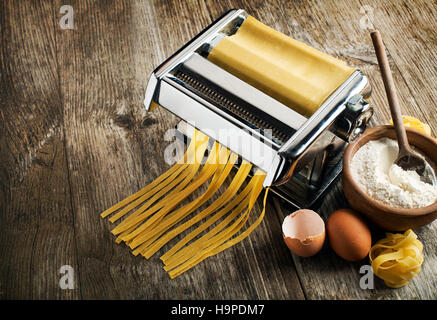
(229, 193)
(148, 188)
(223, 242)
(159, 182)
(213, 236)
(174, 218)
(177, 215)
(141, 242)
(397, 258)
(199, 244)
(178, 174)
(155, 193)
(144, 212)
(212, 167)
(143, 234)
(204, 241)
(241, 221)
(193, 154)
(119, 238)
(150, 218)
(171, 201)
(235, 203)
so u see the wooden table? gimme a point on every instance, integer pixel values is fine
(75, 138)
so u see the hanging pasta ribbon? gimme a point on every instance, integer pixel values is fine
(151, 218)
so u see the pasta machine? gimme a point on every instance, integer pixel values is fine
(301, 154)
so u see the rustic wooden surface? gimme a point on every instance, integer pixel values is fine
(74, 139)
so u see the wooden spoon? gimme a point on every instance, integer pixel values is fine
(407, 158)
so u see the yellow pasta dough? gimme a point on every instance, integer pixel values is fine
(415, 123)
(221, 241)
(290, 71)
(242, 201)
(228, 194)
(397, 258)
(154, 215)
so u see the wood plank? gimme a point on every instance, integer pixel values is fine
(75, 139)
(113, 150)
(178, 25)
(36, 231)
(98, 82)
(337, 32)
(413, 50)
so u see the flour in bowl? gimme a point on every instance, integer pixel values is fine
(374, 171)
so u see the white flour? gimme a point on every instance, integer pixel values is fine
(373, 169)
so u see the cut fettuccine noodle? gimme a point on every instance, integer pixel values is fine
(181, 213)
(215, 184)
(183, 181)
(242, 200)
(228, 194)
(217, 248)
(155, 215)
(170, 201)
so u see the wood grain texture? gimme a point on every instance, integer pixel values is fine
(339, 279)
(37, 235)
(75, 139)
(110, 142)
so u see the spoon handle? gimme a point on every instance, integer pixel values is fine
(390, 90)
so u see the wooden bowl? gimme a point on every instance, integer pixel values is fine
(384, 216)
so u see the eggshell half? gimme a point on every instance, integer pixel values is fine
(304, 232)
(348, 234)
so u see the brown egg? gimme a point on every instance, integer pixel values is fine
(304, 232)
(349, 235)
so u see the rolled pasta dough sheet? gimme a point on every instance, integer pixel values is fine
(288, 70)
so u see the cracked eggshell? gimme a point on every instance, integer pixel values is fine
(304, 232)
